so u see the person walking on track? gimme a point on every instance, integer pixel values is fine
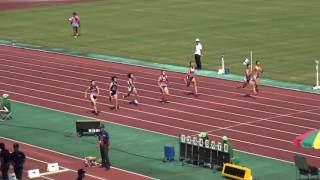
(4, 161)
(104, 143)
(198, 53)
(18, 159)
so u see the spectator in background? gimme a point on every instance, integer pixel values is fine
(4, 161)
(18, 159)
(75, 23)
(104, 143)
(81, 174)
(198, 53)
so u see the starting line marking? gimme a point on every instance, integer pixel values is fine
(55, 172)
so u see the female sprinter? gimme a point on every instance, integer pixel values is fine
(163, 85)
(191, 78)
(247, 77)
(113, 92)
(256, 73)
(94, 92)
(255, 80)
(131, 89)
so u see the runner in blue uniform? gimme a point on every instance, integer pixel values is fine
(93, 95)
(163, 85)
(131, 89)
(113, 92)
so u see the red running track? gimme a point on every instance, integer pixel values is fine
(265, 125)
(38, 158)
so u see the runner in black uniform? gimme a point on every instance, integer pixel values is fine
(93, 95)
(113, 92)
(131, 89)
(163, 85)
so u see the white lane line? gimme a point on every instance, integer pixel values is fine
(67, 155)
(158, 107)
(124, 125)
(210, 89)
(161, 116)
(246, 123)
(47, 178)
(161, 124)
(45, 162)
(193, 99)
(50, 55)
(146, 84)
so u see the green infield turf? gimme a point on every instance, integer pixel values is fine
(283, 34)
(132, 149)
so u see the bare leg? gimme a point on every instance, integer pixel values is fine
(195, 88)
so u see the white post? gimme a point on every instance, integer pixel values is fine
(317, 75)
(222, 62)
(221, 69)
(251, 60)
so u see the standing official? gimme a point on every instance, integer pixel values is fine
(104, 143)
(4, 161)
(226, 140)
(17, 158)
(198, 53)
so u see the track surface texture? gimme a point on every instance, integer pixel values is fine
(38, 158)
(265, 125)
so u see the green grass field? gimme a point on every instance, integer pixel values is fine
(283, 34)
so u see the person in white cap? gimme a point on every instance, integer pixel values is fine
(198, 53)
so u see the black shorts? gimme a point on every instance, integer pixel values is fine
(163, 87)
(190, 78)
(93, 96)
(113, 93)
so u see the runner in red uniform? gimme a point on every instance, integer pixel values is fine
(94, 92)
(163, 85)
(190, 78)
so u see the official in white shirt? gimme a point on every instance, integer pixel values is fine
(198, 53)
